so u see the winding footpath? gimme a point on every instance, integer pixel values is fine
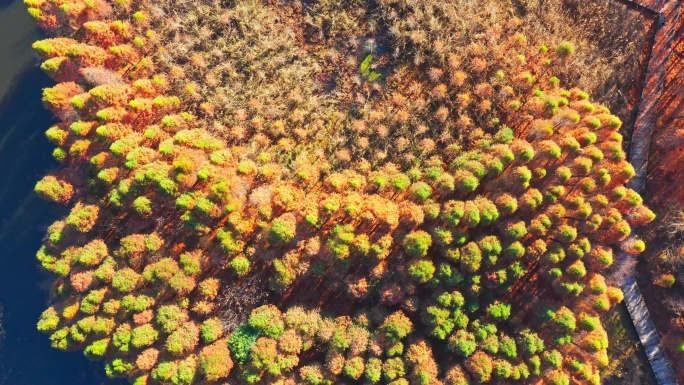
(668, 13)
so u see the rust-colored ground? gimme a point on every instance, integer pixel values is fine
(665, 177)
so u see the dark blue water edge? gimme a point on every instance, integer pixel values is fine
(26, 357)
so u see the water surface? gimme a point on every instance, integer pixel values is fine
(26, 357)
(17, 33)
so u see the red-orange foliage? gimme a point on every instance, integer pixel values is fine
(215, 361)
(147, 359)
(423, 197)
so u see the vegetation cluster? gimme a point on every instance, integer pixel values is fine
(422, 203)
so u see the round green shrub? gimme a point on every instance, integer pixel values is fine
(417, 244)
(240, 266)
(421, 270)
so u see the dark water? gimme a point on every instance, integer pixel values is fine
(26, 357)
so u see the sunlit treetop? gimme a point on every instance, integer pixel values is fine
(328, 193)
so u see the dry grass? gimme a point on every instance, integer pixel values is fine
(612, 40)
(256, 61)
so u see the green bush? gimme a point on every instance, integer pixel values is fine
(422, 271)
(420, 191)
(170, 317)
(240, 265)
(452, 212)
(118, 368)
(462, 343)
(530, 343)
(122, 337)
(373, 370)
(565, 49)
(417, 244)
(49, 320)
(97, 349)
(502, 369)
(490, 344)
(466, 182)
(354, 368)
(439, 319)
(241, 340)
(499, 311)
(507, 347)
(144, 335)
(516, 230)
(183, 339)
(126, 280)
(393, 368)
(211, 330)
(565, 320)
(142, 205)
(553, 358)
(396, 326)
(471, 257)
(588, 322)
(268, 320)
(282, 230)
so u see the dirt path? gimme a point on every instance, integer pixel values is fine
(656, 73)
(648, 335)
(668, 12)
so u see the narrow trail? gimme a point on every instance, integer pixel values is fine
(656, 72)
(648, 333)
(668, 12)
